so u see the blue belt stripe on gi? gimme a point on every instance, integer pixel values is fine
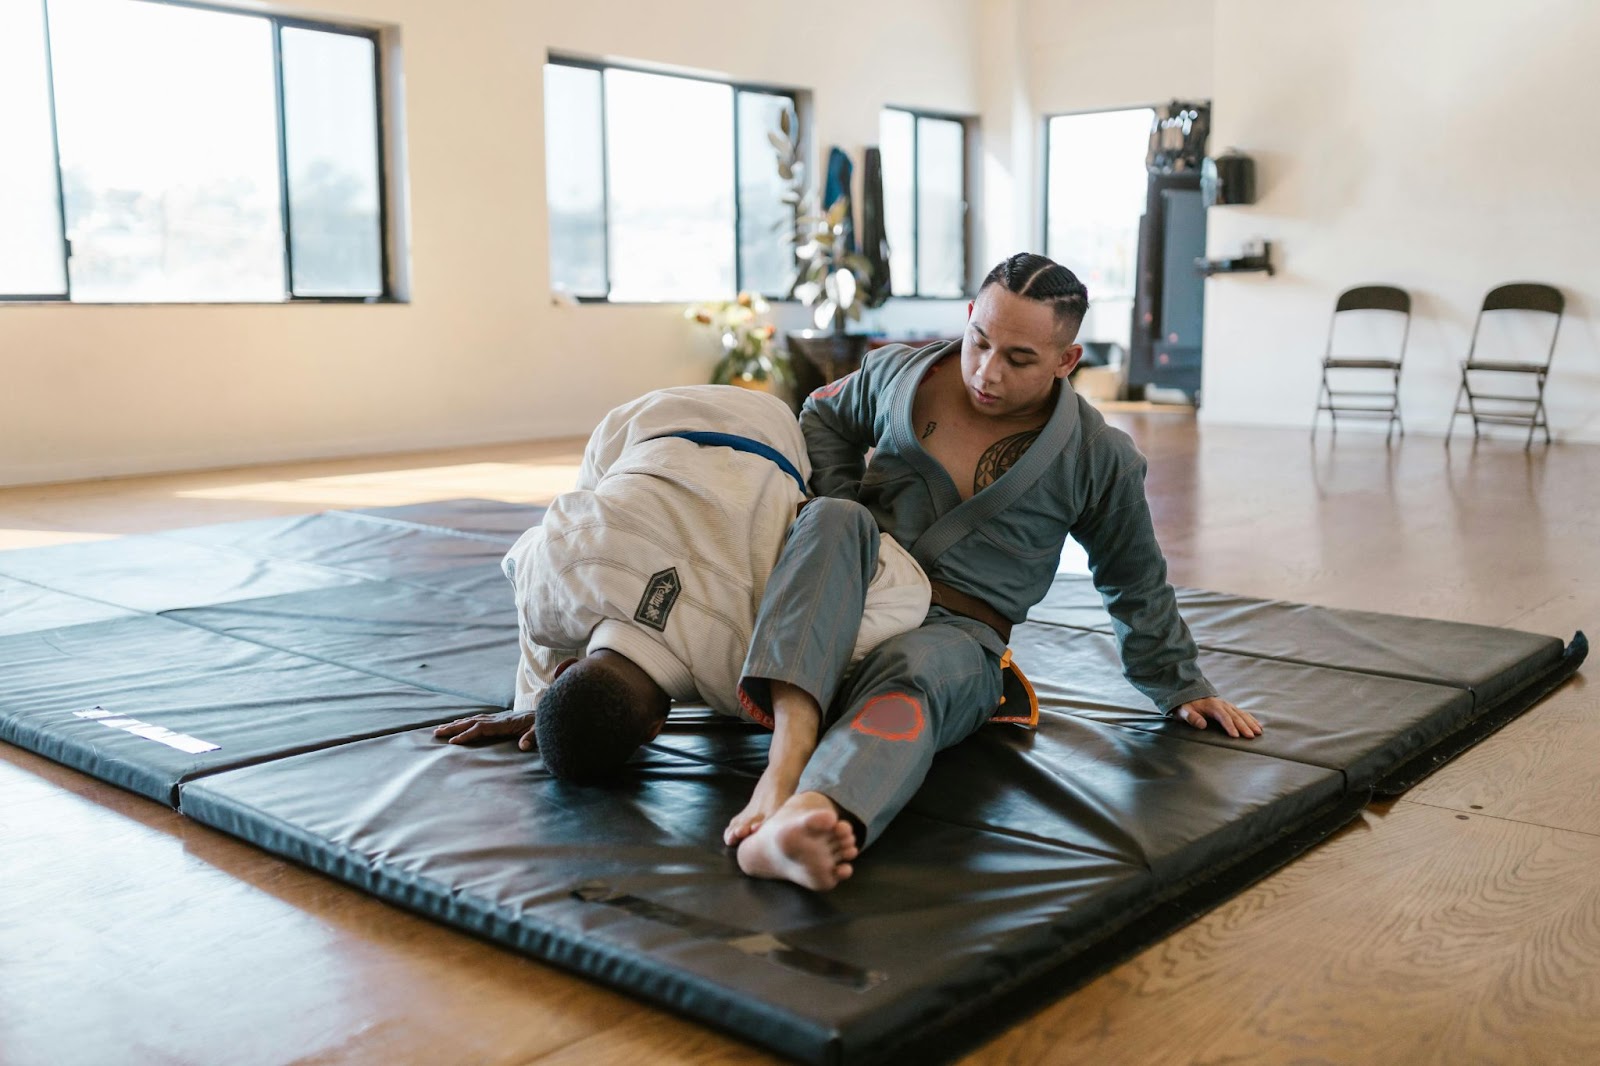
(743, 444)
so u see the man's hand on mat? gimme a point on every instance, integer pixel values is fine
(517, 724)
(1237, 723)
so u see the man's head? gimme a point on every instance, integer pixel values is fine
(1021, 333)
(595, 714)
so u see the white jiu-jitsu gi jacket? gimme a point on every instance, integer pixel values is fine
(664, 549)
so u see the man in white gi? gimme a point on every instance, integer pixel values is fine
(640, 587)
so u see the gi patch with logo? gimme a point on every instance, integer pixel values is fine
(659, 596)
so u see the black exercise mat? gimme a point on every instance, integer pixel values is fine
(494, 519)
(460, 645)
(28, 608)
(1483, 659)
(353, 544)
(147, 703)
(160, 573)
(1023, 851)
(311, 650)
(1360, 724)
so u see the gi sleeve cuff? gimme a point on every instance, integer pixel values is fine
(1197, 691)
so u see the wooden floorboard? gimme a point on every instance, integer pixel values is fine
(1460, 923)
(1416, 935)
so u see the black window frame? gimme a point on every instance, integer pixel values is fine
(561, 59)
(966, 123)
(279, 23)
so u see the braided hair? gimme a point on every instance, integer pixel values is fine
(1046, 281)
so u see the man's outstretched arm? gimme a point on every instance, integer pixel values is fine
(1158, 654)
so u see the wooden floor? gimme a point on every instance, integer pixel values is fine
(1460, 923)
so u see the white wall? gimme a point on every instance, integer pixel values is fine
(1443, 146)
(1089, 55)
(480, 353)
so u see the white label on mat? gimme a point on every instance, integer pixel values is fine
(158, 733)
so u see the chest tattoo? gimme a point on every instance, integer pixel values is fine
(1000, 457)
(928, 431)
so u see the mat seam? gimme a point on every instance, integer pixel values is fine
(436, 690)
(407, 524)
(1302, 662)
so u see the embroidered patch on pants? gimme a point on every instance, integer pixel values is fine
(659, 596)
(893, 716)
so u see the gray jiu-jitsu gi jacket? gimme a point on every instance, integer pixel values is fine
(1003, 544)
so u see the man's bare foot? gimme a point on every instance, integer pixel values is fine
(803, 841)
(772, 792)
(794, 738)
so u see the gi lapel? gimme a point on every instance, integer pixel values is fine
(979, 508)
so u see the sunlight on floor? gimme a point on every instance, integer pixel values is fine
(514, 482)
(37, 538)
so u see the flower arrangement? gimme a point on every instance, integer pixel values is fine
(748, 356)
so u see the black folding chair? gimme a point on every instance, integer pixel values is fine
(1385, 298)
(1509, 409)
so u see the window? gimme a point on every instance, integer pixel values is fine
(925, 202)
(662, 187)
(1094, 197)
(160, 152)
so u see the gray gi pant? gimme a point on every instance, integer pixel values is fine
(910, 697)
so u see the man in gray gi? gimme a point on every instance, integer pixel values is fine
(983, 460)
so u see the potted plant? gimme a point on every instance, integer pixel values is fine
(831, 277)
(748, 357)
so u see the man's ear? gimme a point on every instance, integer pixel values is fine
(1069, 360)
(562, 668)
(969, 308)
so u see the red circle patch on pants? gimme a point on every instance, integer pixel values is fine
(893, 716)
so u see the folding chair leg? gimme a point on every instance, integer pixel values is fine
(1472, 404)
(1394, 415)
(1455, 410)
(1541, 416)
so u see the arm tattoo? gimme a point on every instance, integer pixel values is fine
(1000, 457)
(926, 433)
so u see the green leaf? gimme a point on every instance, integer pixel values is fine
(786, 122)
(836, 213)
(824, 314)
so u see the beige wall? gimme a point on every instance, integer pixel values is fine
(480, 353)
(1436, 144)
(1086, 55)
(1443, 146)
